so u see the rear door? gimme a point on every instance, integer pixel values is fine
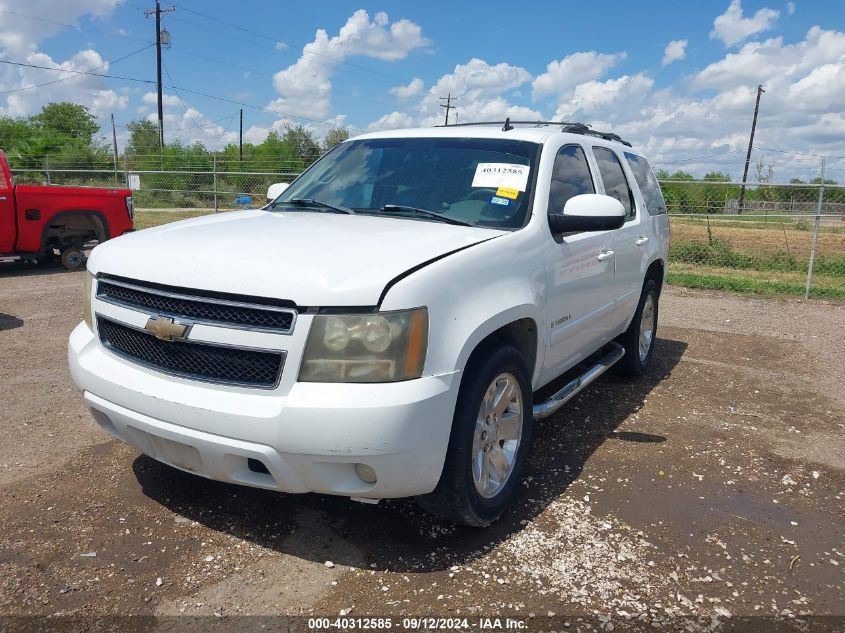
(629, 255)
(8, 228)
(579, 269)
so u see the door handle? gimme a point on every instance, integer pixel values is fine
(604, 255)
(641, 240)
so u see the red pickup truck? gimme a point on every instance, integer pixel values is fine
(40, 222)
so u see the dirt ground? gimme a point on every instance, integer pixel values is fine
(707, 494)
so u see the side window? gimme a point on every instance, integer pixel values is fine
(570, 177)
(647, 183)
(615, 183)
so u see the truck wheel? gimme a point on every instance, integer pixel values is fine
(491, 435)
(73, 259)
(638, 339)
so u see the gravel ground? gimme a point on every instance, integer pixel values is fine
(709, 490)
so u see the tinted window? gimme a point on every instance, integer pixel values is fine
(486, 182)
(647, 182)
(613, 178)
(570, 177)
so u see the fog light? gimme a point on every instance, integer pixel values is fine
(367, 474)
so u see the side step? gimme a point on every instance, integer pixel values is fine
(613, 354)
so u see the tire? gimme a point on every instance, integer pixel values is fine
(478, 443)
(638, 339)
(73, 259)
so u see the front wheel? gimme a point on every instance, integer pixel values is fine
(638, 339)
(491, 435)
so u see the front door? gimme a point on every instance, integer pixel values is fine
(579, 272)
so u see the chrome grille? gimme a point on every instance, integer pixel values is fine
(199, 361)
(197, 308)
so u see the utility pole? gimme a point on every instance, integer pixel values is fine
(448, 105)
(760, 91)
(157, 12)
(241, 138)
(114, 145)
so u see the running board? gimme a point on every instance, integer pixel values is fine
(573, 388)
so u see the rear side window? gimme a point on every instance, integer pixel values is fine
(647, 183)
(615, 183)
(570, 177)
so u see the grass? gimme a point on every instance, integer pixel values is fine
(755, 281)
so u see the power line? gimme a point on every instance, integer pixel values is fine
(49, 83)
(76, 72)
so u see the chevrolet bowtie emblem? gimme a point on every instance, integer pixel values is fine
(165, 328)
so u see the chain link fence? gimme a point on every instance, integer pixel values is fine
(769, 238)
(781, 239)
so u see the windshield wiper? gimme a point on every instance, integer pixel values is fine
(311, 202)
(401, 208)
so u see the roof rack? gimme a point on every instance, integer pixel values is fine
(570, 127)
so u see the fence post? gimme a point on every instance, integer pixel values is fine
(47, 166)
(815, 237)
(214, 168)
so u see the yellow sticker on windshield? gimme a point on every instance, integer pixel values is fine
(507, 192)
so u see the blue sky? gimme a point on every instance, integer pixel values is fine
(385, 65)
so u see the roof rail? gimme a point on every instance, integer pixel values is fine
(571, 127)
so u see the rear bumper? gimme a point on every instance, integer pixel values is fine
(309, 439)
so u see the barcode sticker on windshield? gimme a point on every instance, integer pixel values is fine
(501, 175)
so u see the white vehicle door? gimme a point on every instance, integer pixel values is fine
(579, 271)
(655, 219)
(629, 241)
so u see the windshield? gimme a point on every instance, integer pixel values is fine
(483, 182)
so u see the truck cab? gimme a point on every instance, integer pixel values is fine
(383, 326)
(39, 222)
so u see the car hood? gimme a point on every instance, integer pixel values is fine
(311, 258)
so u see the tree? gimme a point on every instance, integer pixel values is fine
(302, 144)
(143, 139)
(335, 136)
(717, 176)
(70, 120)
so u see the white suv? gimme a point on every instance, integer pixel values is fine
(380, 329)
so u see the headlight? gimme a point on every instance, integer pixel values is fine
(86, 301)
(382, 347)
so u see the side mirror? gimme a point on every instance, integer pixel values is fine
(275, 190)
(588, 212)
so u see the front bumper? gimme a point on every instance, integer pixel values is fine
(308, 436)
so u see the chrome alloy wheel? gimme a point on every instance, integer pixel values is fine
(646, 327)
(498, 432)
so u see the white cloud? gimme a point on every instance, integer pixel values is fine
(83, 89)
(675, 50)
(305, 86)
(392, 121)
(603, 99)
(731, 27)
(772, 61)
(19, 41)
(19, 36)
(562, 76)
(415, 87)
(790, 8)
(151, 98)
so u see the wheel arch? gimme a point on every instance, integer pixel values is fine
(656, 270)
(95, 219)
